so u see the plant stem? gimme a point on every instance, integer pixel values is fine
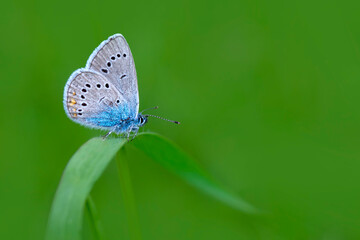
(94, 218)
(129, 200)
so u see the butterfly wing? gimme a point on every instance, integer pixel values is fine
(113, 60)
(92, 100)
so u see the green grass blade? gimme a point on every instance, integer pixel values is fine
(82, 171)
(128, 195)
(95, 220)
(172, 158)
(89, 162)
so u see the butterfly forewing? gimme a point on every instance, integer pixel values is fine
(88, 94)
(113, 60)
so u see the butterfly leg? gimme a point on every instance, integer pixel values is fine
(136, 131)
(111, 131)
(128, 133)
(106, 135)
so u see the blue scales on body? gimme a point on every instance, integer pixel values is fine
(120, 118)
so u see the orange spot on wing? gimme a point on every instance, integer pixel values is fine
(72, 102)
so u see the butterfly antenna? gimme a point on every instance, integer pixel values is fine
(156, 107)
(162, 118)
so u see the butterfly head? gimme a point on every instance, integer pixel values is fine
(142, 120)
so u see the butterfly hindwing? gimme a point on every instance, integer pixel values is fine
(93, 100)
(113, 60)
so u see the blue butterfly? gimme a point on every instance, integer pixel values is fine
(104, 94)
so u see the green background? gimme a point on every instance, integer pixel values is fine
(267, 93)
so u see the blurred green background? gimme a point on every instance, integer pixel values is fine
(267, 93)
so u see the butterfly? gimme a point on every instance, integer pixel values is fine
(104, 95)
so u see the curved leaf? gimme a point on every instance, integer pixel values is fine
(80, 174)
(90, 161)
(174, 159)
